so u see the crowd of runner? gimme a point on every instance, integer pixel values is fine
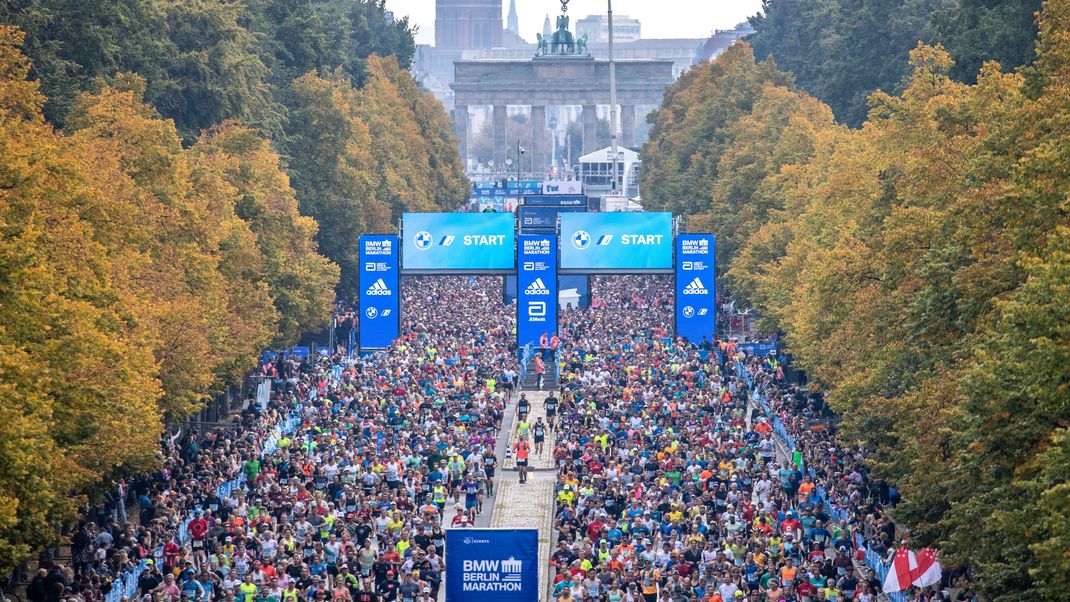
(671, 484)
(350, 506)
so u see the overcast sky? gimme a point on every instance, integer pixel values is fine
(659, 18)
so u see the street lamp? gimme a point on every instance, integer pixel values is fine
(519, 153)
(612, 97)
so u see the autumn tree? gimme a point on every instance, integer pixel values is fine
(689, 132)
(362, 158)
(79, 391)
(299, 280)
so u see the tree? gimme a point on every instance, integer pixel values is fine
(689, 132)
(362, 158)
(79, 392)
(299, 280)
(977, 31)
(841, 51)
(324, 35)
(333, 169)
(188, 267)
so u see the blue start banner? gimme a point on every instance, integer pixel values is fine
(616, 242)
(458, 242)
(537, 218)
(379, 291)
(696, 299)
(492, 565)
(556, 200)
(536, 304)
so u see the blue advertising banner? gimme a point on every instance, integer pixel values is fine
(525, 185)
(379, 291)
(696, 300)
(458, 242)
(616, 242)
(759, 349)
(560, 200)
(536, 306)
(492, 565)
(536, 218)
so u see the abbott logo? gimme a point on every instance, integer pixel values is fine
(537, 288)
(537, 309)
(695, 287)
(379, 288)
(423, 240)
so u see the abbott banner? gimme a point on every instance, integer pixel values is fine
(696, 300)
(616, 242)
(536, 290)
(458, 242)
(492, 565)
(379, 292)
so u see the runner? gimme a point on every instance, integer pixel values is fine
(539, 433)
(522, 448)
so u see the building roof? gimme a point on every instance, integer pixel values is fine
(599, 156)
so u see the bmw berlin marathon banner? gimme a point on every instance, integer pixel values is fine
(379, 292)
(536, 306)
(616, 242)
(458, 242)
(492, 565)
(696, 300)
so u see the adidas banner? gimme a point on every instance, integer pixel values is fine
(379, 294)
(458, 242)
(536, 303)
(696, 301)
(492, 565)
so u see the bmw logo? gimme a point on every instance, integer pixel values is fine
(423, 240)
(371, 312)
(689, 311)
(581, 239)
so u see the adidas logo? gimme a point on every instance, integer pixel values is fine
(695, 287)
(537, 288)
(379, 288)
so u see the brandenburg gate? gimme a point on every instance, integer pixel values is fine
(561, 73)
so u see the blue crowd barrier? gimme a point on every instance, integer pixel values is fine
(873, 560)
(125, 584)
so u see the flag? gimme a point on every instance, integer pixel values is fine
(901, 573)
(928, 571)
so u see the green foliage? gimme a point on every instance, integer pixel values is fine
(690, 130)
(362, 158)
(324, 35)
(841, 51)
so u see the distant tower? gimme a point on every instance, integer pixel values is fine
(546, 30)
(514, 21)
(468, 24)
